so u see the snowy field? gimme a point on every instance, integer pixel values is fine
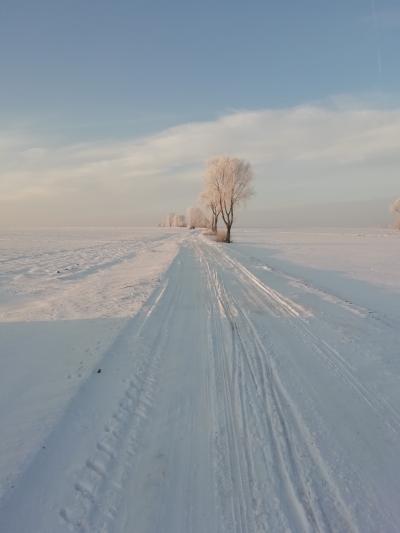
(65, 295)
(155, 381)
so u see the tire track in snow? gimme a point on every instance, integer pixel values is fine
(332, 356)
(306, 286)
(97, 491)
(232, 477)
(289, 456)
(278, 301)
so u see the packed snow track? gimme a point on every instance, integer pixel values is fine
(239, 398)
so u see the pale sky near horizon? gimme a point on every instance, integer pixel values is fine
(110, 109)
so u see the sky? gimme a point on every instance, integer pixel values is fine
(110, 110)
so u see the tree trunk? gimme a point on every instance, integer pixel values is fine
(228, 233)
(214, 224)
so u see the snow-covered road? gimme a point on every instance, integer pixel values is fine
(243, 396)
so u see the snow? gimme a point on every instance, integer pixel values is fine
(243, 388)
(65, 295)
(80, 273)
(364, 254)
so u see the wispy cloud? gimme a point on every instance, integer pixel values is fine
(300, 151)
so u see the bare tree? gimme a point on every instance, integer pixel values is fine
(395, 209)
(229, 179)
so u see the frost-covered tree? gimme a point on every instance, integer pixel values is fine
(210, 199)
(230, 180)
(179, 221)
(395, 209)
(195, 218)
(169, 221)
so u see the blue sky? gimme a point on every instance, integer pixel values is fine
(125, 67)
(95, 72)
